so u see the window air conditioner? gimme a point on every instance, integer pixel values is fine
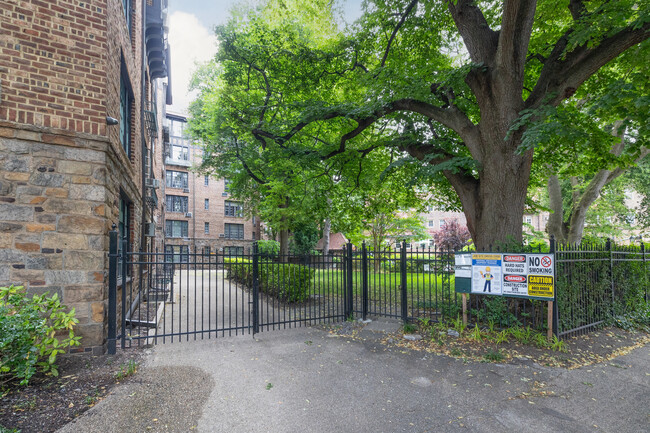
(186, 190)
(152, 183)
(222, 235)
(188, 214)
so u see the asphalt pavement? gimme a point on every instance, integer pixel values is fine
(307, 380)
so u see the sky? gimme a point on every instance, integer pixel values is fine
(191, 39)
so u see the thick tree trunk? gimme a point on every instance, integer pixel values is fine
(496, 217)
(555, 225)
(284, 244)
(327, 225)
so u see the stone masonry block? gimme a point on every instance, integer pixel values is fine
(19, 177)
(64, 278)
(87, 293)
(16, 163)
(80, 224)
(82, 311)
(84, 155)
(65, 241)
(86, 260)
(52, 180)
(38, 228)
(10, 212)
(97, 312)
(91, 335)
(87, 192)
(75, 167)
(63, 206)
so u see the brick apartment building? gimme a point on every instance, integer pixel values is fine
(79, 86)
(199, 214)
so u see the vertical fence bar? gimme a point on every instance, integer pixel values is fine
(364, 270)
(349, 307)
(556, 310)
(645, 271)
(403, 282)
(256, 288)
(125, 245)
(611, 271)
(112, 291)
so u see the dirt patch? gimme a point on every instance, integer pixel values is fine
(600, 346)
(48, 402)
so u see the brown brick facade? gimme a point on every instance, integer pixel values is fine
(63, 170)
(196, 193)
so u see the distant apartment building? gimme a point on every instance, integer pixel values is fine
(78, 123)
(435, 220)
(199, 215)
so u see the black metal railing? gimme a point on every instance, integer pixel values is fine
(597, 282)
(203, 295)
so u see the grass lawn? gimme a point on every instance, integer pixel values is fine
(419, 286)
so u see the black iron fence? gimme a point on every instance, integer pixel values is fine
(156, 298)
(597, 282)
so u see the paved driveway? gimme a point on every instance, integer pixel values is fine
(305, 380)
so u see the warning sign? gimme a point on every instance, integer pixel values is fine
(540, 286)
(486, 274)
(523, 275)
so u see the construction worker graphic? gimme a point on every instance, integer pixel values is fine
(488, 279)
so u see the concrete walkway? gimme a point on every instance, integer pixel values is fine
(305, 380)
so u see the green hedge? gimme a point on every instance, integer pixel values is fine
(286, 282)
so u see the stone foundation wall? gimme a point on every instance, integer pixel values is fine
(57, 203)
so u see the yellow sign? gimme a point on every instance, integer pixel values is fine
(486, 257)
(540, 286)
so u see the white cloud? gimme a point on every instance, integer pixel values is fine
(190, 43)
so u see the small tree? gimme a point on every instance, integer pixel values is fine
(453, 236)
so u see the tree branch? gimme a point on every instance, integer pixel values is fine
(514, 36)
(563, 73)
(408, 10)
(451, 117)
(481, 41)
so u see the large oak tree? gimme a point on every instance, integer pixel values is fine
(453, 84)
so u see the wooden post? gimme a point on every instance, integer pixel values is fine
(464, 308)
(549, 334)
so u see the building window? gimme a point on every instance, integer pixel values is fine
(206, 250)
(176, 229)
(226, 185)
(126, 105)
(206, 180)
(253, 236)
(180, 148)
(234, 231)
(176, 179)
(233, 209)
(233, 251)
(206, 204)
(528, 220)
(177, 253)
(442, 223)
(127, 8)
(430, 223)
(206, 228)
(177, 203)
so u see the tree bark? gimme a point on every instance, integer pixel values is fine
(555, 225)
(284, 245)
(327, 225)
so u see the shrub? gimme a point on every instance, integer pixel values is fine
(268, 248)
(28, 328)
(286, 282)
